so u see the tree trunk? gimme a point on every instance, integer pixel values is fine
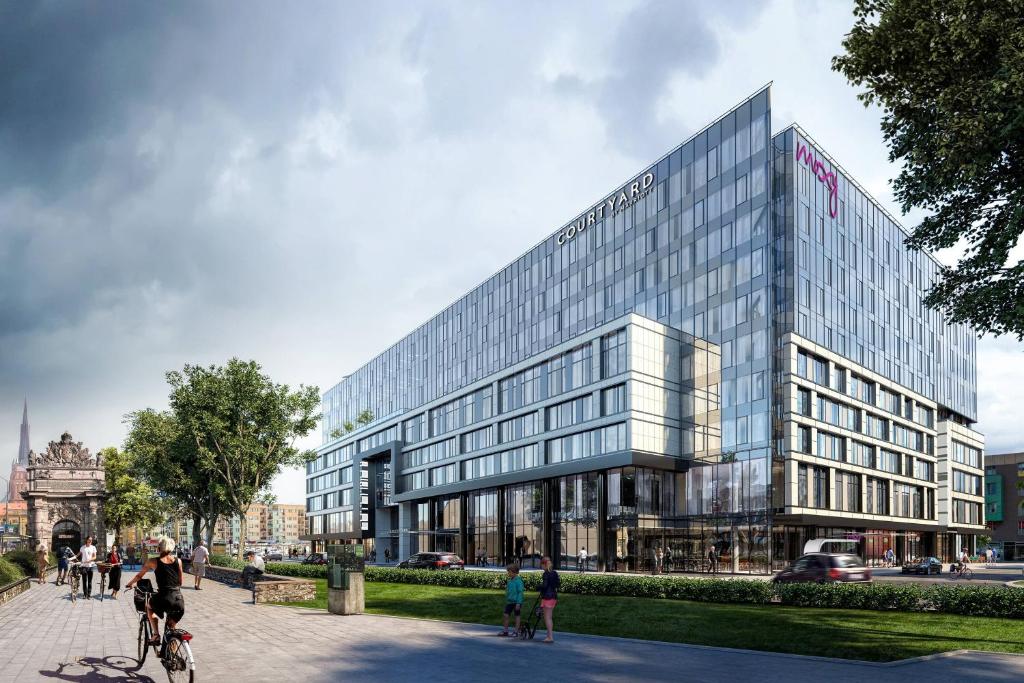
(210, 524)
(243, 530)
(197, 526)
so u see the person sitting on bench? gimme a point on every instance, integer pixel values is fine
(253, 569)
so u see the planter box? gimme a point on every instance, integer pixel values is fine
(269, 587)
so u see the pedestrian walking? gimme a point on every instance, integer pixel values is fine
(712, 560)
(87, 555)
(667, 566)
(581, 561)
(43, 561)
(387, 555)
(652, 555)
(131, 556)
(549, 585)
(114, 574)
(63, 555)
(199, 559)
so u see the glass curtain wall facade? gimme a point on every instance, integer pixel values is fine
(536, 416)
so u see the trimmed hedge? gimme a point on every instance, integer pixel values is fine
(228, 561)
(981, 601)
(9, 571)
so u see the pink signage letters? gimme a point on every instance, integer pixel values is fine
(825, 176)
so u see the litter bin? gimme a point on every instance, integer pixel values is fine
(345, 592)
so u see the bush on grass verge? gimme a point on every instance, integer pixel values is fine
(9, 571)
(26, 560)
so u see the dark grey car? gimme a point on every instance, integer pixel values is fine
(433, 561)
(923, 565)
(825, 568)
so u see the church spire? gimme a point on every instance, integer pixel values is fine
(23, 446)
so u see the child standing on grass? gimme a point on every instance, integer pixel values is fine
(513, 598)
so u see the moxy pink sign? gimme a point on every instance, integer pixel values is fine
(817, 166)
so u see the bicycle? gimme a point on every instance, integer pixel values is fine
(173, 650)
(74, 578)
(962, 572)
(103, 568)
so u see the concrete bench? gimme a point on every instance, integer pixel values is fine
(268, 588)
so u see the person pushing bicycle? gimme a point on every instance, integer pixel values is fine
(168, 599)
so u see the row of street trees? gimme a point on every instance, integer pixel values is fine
(228, 431)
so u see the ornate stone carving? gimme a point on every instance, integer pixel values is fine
(58, 511)
(64, 453)
(66, 483)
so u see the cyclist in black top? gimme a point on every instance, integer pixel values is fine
(168, 599)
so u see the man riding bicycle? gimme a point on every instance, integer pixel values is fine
(168, 600)
(965, 559)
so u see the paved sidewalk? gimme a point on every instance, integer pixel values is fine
(43, 636)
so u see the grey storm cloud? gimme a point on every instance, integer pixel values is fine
(115, 122)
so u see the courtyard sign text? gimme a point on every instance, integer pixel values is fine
(623, 199)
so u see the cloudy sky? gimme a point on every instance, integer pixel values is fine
(181, 183)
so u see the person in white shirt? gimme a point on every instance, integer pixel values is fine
(253, 569)
(87, 554)
(199, 558)
(581, 561)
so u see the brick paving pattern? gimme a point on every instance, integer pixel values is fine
(44, 637)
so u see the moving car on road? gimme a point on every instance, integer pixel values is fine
(433, 561)
(825, 568)
(922, 565)
(315, 558)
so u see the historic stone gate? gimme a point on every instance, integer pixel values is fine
(65, 495)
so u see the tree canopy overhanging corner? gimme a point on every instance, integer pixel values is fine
(949, 79)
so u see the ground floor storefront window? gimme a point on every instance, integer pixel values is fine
(482, 529)
(447, 531)
(575, 520)
(628, 519)
(524, 523)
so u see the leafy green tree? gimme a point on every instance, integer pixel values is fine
(130, 501)
(949, 78)
(244, 426)
(169, 460)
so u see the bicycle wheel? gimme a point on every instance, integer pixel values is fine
(178, 661)
(968, 573)
(103, 585)
(74, 589)
(143, 639)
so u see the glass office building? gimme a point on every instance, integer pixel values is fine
(727, 351)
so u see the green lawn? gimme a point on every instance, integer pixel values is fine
(850, 634)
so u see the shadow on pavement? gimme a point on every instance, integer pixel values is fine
(113, 669)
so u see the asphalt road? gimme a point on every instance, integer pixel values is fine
(998, 574)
